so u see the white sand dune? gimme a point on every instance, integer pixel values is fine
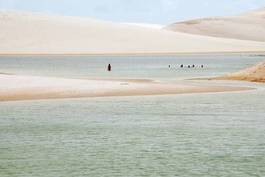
(249, 26)
(15, 87)
(30, 33)
(154, 26)
(253, 74)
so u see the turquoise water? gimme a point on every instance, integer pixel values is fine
(183, 135)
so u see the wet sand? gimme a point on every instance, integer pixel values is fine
(15, 87)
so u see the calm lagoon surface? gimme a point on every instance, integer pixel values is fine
(217, 134)
(152, 67)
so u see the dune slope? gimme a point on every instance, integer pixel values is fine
(253, 74)
(249, 26)
(30, 33)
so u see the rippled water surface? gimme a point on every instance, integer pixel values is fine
(184, 135)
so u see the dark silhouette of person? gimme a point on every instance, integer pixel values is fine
(169, 66)
(109, 67)
(193, 66)
(189, 66)
(181, 66)
(202, 66)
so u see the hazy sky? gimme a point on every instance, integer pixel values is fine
(140, 11)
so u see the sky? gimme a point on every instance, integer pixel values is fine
(136, 11)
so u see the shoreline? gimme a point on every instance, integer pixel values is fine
(241, 78)
(231, 78)
(138, 54)
(18, 88)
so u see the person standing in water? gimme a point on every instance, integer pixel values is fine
(109, 67)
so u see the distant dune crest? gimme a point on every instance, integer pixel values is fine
(257, 13)
(248, 26)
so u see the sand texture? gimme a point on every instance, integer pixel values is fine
(248, 26)
(32, 33)
(253, 74)
(14, 87)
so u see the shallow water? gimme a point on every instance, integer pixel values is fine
(155, 67)
(184, 135)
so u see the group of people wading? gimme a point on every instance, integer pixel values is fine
(188, 66)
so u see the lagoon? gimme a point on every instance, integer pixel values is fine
(215, 134)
